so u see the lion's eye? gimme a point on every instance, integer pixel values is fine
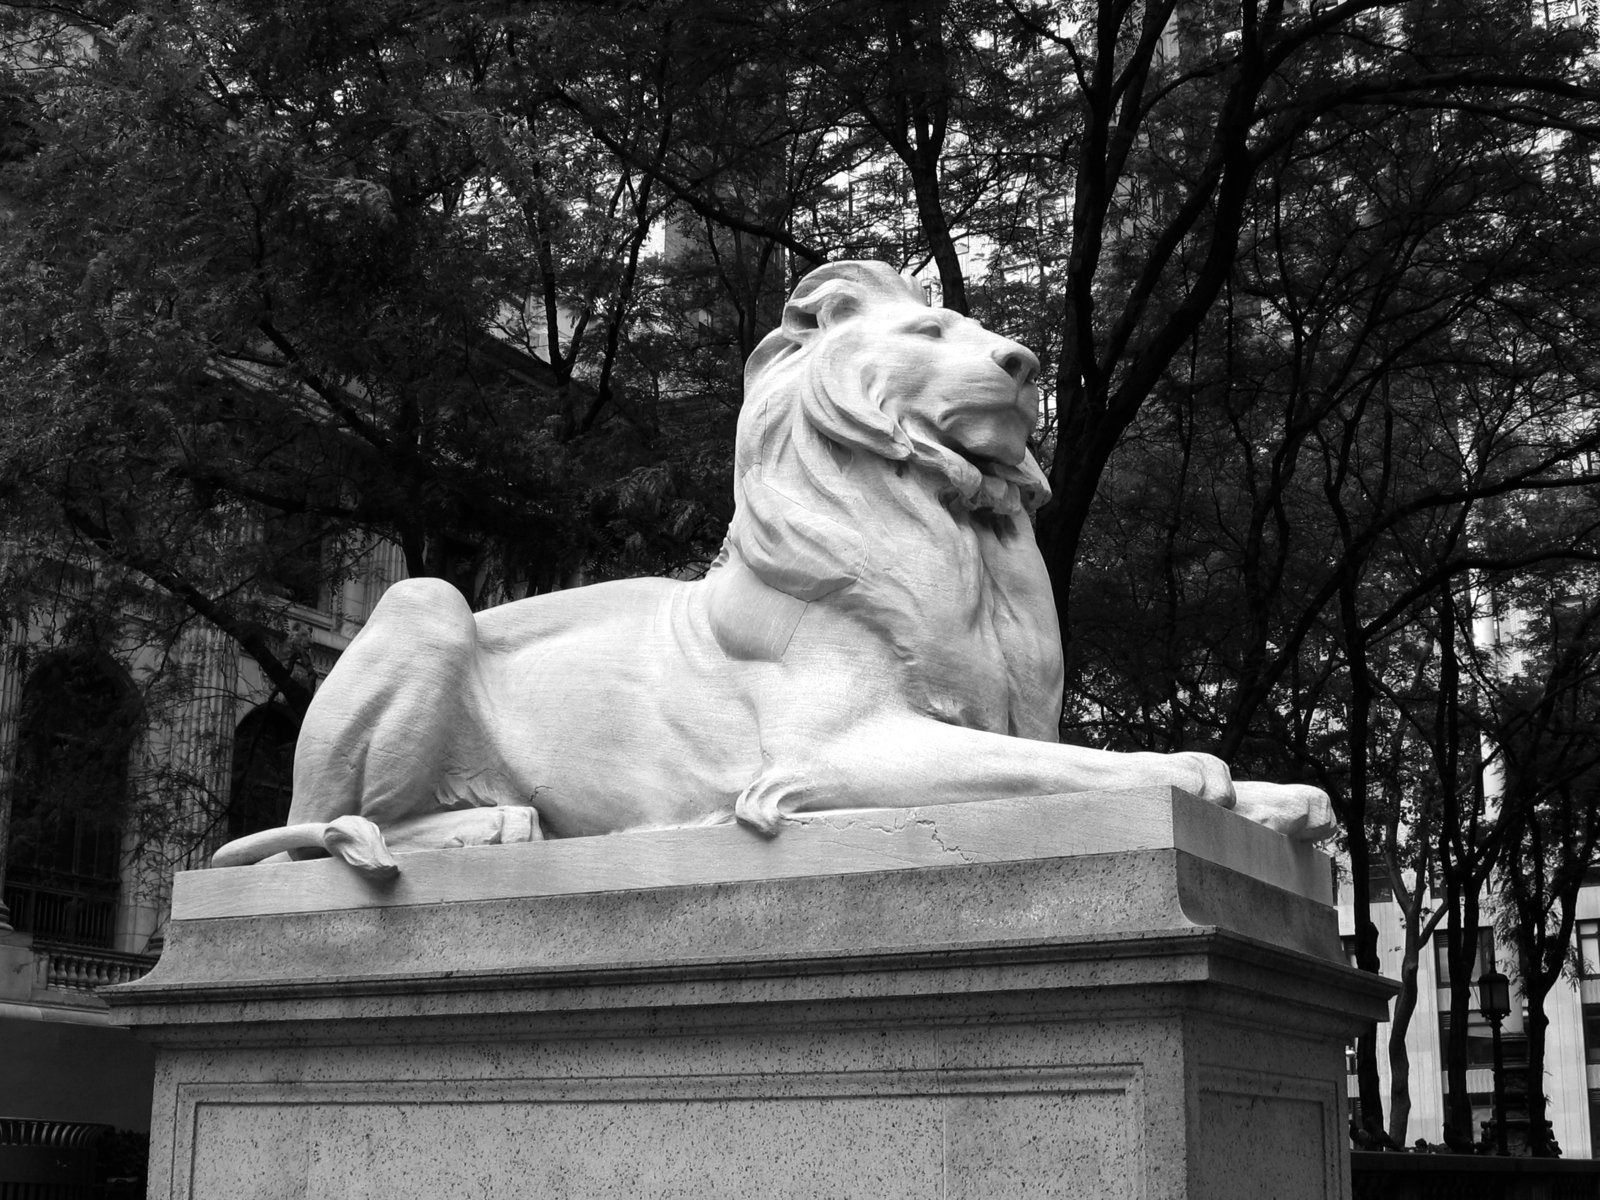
(929, 329)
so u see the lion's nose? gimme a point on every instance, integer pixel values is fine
(1017, 361)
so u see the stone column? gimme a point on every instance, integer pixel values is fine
(203, 738)
(191, 752)
(10, 699)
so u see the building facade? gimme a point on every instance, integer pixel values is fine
(1572, 1050)
(86, 743)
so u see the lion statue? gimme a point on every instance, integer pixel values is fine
(878, 631)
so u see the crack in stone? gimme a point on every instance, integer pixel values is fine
(888, 822)
(938, 839)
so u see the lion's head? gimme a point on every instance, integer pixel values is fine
(865, 362)
(862, 366)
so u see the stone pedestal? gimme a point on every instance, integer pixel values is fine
(1129, 995)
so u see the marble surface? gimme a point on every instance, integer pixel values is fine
(832, 843)
(879, 630)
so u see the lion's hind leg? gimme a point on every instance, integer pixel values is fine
(498, 825)
(400, 704)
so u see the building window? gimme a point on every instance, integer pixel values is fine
(1480, 1035)
(1483, 959)
(296, 544)
(1589, 947)
(263, 770)
(1556, 13)
(77, 722)
(1591, 1033)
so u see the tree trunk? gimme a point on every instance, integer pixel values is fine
(1455, 858)
(1405, 1006)
(935, 227)
(1083, 447)
(1463, 944)
(1354, 817)
(1535, 1025)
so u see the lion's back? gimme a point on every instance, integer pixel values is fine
(624, 637)
(507, 628)
(615, 702)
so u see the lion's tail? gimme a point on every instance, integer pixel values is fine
(354, 839)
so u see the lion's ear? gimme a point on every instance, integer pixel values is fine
(810, 312)
(838, 291)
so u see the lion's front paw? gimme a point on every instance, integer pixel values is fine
(762, 805)
(1202, 775)
(1299, 810)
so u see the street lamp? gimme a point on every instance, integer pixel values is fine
(1494, 1002)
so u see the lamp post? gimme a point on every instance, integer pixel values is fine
(1494, 1002)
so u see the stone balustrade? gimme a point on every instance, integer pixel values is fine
(83, 968)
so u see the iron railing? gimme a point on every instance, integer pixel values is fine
(1379, 1176)
(57, 914)
(52, 1160)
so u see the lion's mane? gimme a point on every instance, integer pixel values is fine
(796, 515)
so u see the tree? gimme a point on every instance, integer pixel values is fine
(1174, 139)
(1542, 717)
(1302, 492)
(260, 274)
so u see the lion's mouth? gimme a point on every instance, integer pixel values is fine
(992, 464)
(992, 437)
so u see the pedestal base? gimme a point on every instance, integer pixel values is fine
(1132, 995)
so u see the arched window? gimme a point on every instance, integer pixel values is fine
(78, 718)
(263, 770)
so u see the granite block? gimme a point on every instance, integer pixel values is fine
(1138, 1020)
